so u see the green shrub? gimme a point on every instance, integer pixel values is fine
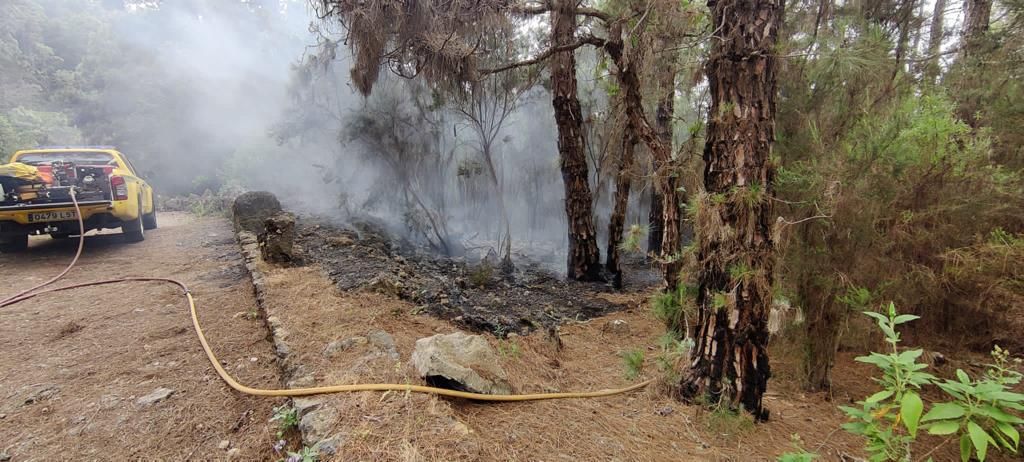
(633, 362)
(981, 413)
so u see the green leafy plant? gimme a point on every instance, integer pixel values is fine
(673, 348)
(633, 238)
(673, 307)
(727, 421)
(981, 411)
(633, 361)
(287, 418)
(799, 454)
(509, 349)
(480, 276)
(307, 454)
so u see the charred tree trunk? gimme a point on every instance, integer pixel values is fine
(617, 222)
(733, 223)
(654, 221)
(584, 257)
(666, 181)
(671, 184)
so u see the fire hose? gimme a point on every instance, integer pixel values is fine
(36, 291)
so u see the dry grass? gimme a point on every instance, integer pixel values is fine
(647, 425)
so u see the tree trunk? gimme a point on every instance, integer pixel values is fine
(666, 181)
(655, 218)
(822, 342)
(976, 25)
(734, 218)
(932, 68)
(663, 123)
(617, 222)
(671, 183)
(584, 257)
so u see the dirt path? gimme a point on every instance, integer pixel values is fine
(75, 364)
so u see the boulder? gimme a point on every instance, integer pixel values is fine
(277, 240)
(460, 361)
(251, 210)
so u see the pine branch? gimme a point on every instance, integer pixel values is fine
(583, 41)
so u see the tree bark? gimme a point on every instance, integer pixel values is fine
(617, 222)
(655, 218)
(822, 330)
(976, 25)
(666, 181)
(932, 68)
(734, 219)
(584, 260)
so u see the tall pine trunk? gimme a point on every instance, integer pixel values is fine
(584, 257)
(734, 218)
(655, 218)
(935, 32)
(666, 182)
(617, 222)
(976, 25)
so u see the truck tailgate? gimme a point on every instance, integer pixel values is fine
(41, 213)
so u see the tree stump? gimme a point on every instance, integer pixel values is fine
(277, 241)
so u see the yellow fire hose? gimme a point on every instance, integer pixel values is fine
(34, 292)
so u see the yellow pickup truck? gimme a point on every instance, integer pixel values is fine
(36, 188)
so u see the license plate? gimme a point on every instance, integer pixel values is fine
(52, 216)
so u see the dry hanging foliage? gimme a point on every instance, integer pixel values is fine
(437, 40)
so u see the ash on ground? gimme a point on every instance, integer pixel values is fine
(469, 291)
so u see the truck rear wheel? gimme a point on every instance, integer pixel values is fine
(14, 244)
(134, 231)
(149, 220)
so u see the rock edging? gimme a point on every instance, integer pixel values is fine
(292, 373)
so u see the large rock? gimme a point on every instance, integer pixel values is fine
(251, 210)
(277, 240)
(460, 362)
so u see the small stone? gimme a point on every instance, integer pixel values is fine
(338, 346)
(315, 424)
(329, 446)
(224, 444)
(234, 453)
(616, 326)
(385, 342)
(254, 359)
(155, 396)
(339, 241)
(302, 381)
(303, 406)
(4, 457)
(42, 394)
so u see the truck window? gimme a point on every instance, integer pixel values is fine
(78, 158)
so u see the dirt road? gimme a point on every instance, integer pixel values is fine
(75, 366)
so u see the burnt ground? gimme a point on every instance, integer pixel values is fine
(473, 293)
